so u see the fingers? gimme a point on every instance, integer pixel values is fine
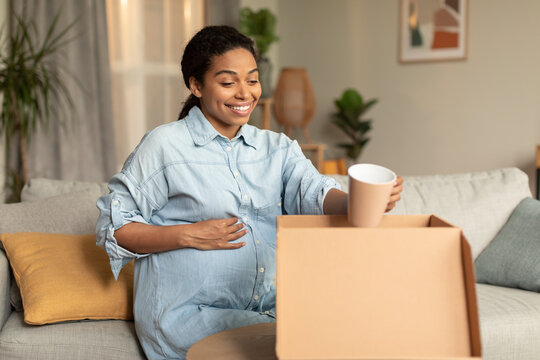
(236, 235)
(233, 246)
(233, 232)
(237, 227)
(398, 186)
(233, 226)
(396, 194)
(219, 234)
(230, 221)
(227, 244)
(223, 227)
(390, 206)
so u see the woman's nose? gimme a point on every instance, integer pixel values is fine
(242, 91)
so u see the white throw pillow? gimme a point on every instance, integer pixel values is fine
(41, 188)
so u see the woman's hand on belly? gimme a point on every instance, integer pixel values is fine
(216, 234)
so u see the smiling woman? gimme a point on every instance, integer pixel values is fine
(225, 85)
(197, 200)
(229, 92)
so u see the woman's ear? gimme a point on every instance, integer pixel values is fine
(195, 87)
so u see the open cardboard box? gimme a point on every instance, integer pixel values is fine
(403, 290)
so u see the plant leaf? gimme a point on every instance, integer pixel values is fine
(33, 88)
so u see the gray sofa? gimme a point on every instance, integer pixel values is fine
(480, 203)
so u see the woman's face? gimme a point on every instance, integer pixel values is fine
(230, 91)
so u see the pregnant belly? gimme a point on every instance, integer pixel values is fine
(219, 278)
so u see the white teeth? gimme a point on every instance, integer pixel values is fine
(240, 108)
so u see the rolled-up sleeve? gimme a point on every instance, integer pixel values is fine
(304, 187)
(125, 203)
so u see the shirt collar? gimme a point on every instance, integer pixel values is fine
(203, 132)
(247, 132)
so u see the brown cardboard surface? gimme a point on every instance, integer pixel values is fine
(403, 290)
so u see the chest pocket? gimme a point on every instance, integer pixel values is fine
(269, 211)
(266, 222)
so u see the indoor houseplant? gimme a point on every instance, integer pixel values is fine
(350, 109)
(32, 89)
(260, 26)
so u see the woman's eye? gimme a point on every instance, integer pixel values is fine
(253, 82)
(226, 83)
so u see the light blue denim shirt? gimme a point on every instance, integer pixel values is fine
(184, 172)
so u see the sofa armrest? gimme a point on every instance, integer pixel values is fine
(5, 283)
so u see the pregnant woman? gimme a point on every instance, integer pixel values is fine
(196, 203)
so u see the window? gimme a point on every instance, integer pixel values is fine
(146, 40)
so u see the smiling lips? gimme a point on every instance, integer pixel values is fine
(240, 110)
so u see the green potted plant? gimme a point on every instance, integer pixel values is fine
(29, 85)
(350, 109)
(260, 26)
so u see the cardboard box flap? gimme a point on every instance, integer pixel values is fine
(472, 304)
(339, 221)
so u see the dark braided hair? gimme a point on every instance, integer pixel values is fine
(211, 41)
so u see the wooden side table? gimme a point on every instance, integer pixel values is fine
(318, 149)
(244, 343)
(266, 105)
(336, 166)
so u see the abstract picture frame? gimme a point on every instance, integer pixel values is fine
(433, 30)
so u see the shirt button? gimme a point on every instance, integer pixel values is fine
(267, 312)
(235, 173)
(245, 219)
(115, 202)
(258, 242)
(245, 197)
(256, 297)
(229, 148)
(261, 269)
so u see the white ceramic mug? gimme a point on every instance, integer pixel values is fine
(370, 187)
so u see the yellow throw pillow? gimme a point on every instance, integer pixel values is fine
(67, 277)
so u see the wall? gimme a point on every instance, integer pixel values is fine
(446, 117)
(273, 52)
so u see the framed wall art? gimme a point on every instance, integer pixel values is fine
(433, 30)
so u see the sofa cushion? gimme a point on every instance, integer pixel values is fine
(79, 340)
(40, 188)
(512, 258)
(5, 280)
(73, 213)
(67, 277)
(479, 202)
(509, 323)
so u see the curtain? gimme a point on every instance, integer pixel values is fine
(146, 41)
(84, 149)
